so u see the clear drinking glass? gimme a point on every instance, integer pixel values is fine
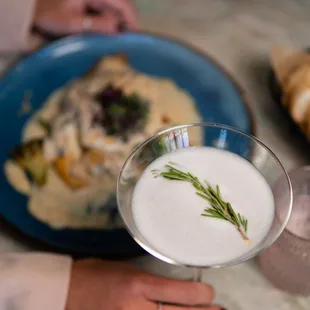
(211, 135)
(287, 262)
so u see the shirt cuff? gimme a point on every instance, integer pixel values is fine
(34, 281)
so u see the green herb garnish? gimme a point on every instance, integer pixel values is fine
(121, 114)
(219, 209)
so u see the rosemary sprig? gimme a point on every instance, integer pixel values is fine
(219, 209)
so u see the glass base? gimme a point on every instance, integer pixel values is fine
(197, 274)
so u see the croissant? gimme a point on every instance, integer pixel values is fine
(292, 68)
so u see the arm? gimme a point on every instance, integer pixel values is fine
(15, 23)
(50, 282)
(34, 281)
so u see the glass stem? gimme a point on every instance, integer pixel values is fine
(197, 274)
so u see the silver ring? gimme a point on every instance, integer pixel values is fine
(159, 306)
(87, 23)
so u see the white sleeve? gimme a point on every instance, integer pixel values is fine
(15, 24)
(34, 281)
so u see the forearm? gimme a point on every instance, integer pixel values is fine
(15, 23)
(34, 281)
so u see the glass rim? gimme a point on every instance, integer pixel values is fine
(244, 258)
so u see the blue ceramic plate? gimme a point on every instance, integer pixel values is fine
(218, 98)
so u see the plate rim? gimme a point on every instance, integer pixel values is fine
(165, 37)
(31, 239)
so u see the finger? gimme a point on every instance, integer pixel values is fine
(74, 5)
(169, 307)
(156, 306)
(73, 23)
(124, 7)
(62, 22)
(107, 23)
(178, 292)
(140, 304)
(148, 305)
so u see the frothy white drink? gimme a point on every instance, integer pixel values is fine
(167, 213)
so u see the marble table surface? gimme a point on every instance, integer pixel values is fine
(239, 34)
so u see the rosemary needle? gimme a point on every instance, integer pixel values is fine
(219, 209)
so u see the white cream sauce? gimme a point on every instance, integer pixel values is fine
(59, 206)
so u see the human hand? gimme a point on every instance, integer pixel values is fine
(63, 17)
(103, 285)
